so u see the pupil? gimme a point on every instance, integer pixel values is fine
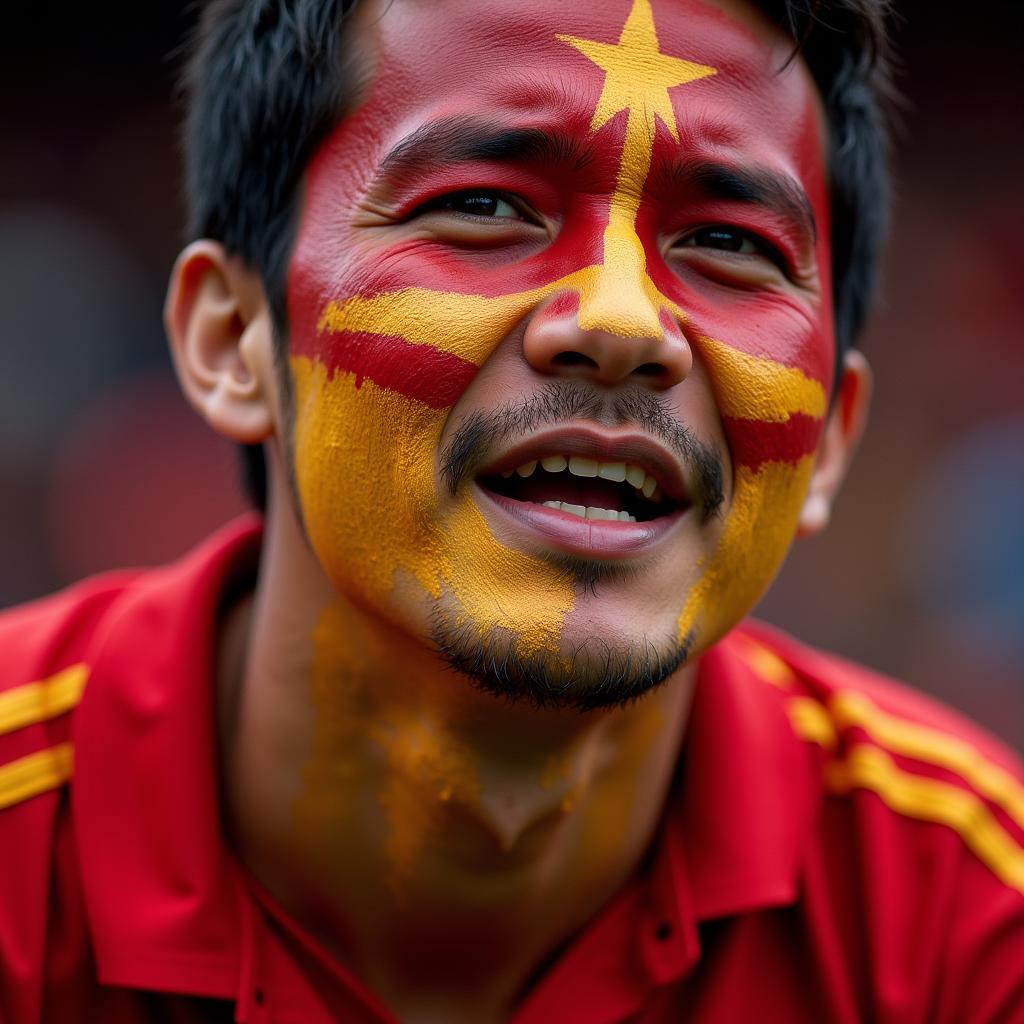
(716, 238)
(482, 206)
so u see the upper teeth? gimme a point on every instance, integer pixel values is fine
(577, 465)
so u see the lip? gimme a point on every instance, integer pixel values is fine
(584, 537)
(604, 446)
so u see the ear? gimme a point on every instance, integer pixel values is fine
(219, 327)
(838, 443)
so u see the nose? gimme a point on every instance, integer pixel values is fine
(638, 344)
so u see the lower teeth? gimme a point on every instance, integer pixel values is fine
(590, 512)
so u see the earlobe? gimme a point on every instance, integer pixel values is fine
(219, 329)
(838, 443)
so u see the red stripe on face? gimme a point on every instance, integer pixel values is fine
(563, 304)
(754, 442)
(419, 372)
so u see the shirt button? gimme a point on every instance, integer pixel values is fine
(663, 932)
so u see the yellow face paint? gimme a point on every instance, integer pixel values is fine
(423, 764)
(385, 341)
(350, 430)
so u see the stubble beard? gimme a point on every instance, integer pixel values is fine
(591, 675)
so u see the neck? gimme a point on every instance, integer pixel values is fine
(396, 810)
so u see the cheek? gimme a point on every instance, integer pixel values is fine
(773, 415)
(364, 460)
(758, 530)
(376, 375)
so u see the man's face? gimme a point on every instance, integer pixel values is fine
(558, 240)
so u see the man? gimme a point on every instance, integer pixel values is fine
(541, 316)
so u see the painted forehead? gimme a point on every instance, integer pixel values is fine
(511, 61)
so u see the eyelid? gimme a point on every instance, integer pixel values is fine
(768, 250)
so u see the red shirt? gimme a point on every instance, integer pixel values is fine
(835, 849)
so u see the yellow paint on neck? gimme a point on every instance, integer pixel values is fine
(358, 719)
(427, 768)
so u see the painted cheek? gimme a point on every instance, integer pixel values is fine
(772, 415)
(364, 466)
(376, 370)
(770, 367)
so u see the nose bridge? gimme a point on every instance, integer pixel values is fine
(617, 297)
(616, 328)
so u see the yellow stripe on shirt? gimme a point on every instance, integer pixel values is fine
(35, 773)
(43, 700)
(812, 722)
(932, 747)
(767, 664)
(866, 766)
(915, 796)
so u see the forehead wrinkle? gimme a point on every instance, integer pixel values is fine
(755, 185)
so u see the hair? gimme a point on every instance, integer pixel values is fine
(267, 80)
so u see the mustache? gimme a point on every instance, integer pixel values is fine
(475, 439)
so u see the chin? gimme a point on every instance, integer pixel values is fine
(596, 671)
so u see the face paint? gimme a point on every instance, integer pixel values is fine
(390, 326)
(426, 765)
(388, 331)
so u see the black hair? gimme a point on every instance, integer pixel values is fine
(268, 79)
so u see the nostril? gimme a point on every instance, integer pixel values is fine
(650, 370)
(574, 359)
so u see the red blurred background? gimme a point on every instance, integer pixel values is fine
(102, 464)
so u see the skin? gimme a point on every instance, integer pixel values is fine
(502, 828)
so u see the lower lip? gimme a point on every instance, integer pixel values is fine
(585, 537)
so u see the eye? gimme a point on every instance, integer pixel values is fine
(486, 205)
(753, 251)
(724, 239)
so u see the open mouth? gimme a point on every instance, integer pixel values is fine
(586, 488)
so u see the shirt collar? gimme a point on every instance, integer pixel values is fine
(749, 793)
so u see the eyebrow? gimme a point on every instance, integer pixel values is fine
(776, 192)
(462, 140)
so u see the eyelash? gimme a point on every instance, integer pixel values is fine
(762, 247)
(446, 202)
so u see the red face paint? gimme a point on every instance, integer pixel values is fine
(623, 131)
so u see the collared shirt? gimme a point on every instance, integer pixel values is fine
(835, 848)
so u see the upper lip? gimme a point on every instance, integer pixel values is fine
(630, 447)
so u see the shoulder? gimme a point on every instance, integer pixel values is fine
(920, 838)
(43, 673)
(64, 660)
(922, 759)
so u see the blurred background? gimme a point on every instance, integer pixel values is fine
(921, 573)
